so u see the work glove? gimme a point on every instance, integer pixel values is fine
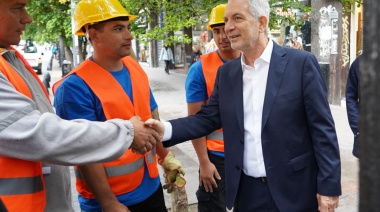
(174, 172)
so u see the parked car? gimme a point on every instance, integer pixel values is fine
(34, 58)
(31, 55)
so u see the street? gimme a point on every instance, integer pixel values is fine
(169, 93)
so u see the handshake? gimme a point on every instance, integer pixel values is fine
(146, 134)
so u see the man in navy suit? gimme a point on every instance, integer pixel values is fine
(281, 148)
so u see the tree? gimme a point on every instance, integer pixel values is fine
(183, 15)
(178, 14)
(52, 19)
(348, 3)
(285, 5)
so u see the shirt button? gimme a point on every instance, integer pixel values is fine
(238, 167)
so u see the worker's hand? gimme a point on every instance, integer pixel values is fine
(327, 204)
(207, 175)
(158, 126)
(145, 138)
(174, 172)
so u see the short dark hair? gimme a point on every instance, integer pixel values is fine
(100, 25)
(216, 25)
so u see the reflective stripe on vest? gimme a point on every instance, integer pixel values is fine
(119, 105)
(21, 182)
(210, 64)
(22, 185)
(215, 136)
(114, 171)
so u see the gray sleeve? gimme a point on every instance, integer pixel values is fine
(27, 134)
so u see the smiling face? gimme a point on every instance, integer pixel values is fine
(113, 39)
(241, 28)
(246, 26)
(13, 20)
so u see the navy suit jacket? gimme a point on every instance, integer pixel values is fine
(352, 102)
(299, 141)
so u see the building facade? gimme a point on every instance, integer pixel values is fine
(336, 40)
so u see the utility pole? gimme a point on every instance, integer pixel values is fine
(75, 38)
(369, 140)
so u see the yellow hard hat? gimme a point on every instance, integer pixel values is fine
(217, 15)
(94, 11)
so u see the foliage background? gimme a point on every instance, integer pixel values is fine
(52, 18)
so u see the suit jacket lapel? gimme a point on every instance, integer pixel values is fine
(236, 76)
(276, 70)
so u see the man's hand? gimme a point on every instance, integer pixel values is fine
(207, 175)
(157, 126)
(327, 204)
(145, 138)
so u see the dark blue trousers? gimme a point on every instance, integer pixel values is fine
(215, 201)
(254, 196)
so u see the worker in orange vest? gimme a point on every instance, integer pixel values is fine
(108, 85)
(199, 86)
(30, 132)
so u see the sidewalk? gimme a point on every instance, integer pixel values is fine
(169, 93)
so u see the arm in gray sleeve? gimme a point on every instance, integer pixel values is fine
(27, 134)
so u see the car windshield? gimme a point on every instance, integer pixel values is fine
(31, 49)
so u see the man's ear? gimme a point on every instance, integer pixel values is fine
(263, 23)
(93, 34)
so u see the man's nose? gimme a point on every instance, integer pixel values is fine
(227, 27)
(129, 35)
(26, 18)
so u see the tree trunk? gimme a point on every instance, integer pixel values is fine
(82, 49)
(172, 65)
(61, 50)
(188, 47)
(369, 146)
(153, 52)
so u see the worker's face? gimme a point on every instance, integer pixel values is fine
(13, 20)
(114, 40)
(220, 38)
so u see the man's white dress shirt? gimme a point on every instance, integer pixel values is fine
(254, 86)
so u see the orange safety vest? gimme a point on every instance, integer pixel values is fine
(210, 64)
(126, 173)
(22, 185)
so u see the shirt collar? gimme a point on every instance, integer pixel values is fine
(265, 56)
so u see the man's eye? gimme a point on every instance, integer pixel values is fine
(18, 8)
